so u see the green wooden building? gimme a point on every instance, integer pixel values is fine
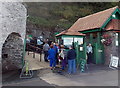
(69, 37)
(102, 30)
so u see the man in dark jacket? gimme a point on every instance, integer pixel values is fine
(71, 56)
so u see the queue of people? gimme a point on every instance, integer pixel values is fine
(56, 54)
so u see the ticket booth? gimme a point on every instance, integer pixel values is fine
(68, 38)
(73, 38)
(101, 29)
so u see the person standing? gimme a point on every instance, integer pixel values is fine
(45, 49)
(56, 48)
(89, 53)
(51, 57)
(71, 56)
(62, 54)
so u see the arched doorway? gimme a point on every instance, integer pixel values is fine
(12, 51)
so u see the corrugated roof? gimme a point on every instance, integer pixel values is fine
(92, 21)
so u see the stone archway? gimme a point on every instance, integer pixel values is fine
(12, 51)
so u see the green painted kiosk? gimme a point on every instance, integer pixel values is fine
(101, 29)
(74, 38)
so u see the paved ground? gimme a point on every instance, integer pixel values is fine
(14, 80)
(35, 63)
(46, 77)
(96, 75)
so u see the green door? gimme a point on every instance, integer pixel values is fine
(98, 53)
(81, 51)
(98, 49)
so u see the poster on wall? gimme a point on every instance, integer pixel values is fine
(114, 62)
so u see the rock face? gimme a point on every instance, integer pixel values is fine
(12, 33)
(45, 32)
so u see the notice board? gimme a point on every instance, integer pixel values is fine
(114, 62)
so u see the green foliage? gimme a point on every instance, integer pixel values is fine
(63, 14)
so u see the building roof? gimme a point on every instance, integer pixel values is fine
(89, 22)
(92, 21)
(66, 32)
(114, 24)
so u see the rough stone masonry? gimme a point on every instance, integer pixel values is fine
(12, 32)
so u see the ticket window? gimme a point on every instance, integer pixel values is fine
(69, 41)
(79, 40)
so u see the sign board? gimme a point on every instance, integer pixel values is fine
(114, 62)
(81, 48)
(100, 51)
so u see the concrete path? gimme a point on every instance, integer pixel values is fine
(30, 82)
(34, 63)
(96, 75)
(90, 79)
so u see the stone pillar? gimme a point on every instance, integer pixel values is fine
(112, 49)
(12, 19)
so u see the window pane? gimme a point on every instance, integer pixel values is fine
(68, 41)
(80, 40)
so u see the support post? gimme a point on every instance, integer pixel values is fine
(24, 52)
(91, 38)
(33, 54)
(28, 52)
(40, 56)
(98, 38)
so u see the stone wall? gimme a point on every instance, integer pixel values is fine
(12, 52)
(112, 49)
(12, 19)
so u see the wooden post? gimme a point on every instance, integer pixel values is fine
(28, 52)
(98, 38)
(34, 53)
(96, 53)
(77, 51)
(24, 52)
(40, 56)
(91, 38)
(84, 50)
